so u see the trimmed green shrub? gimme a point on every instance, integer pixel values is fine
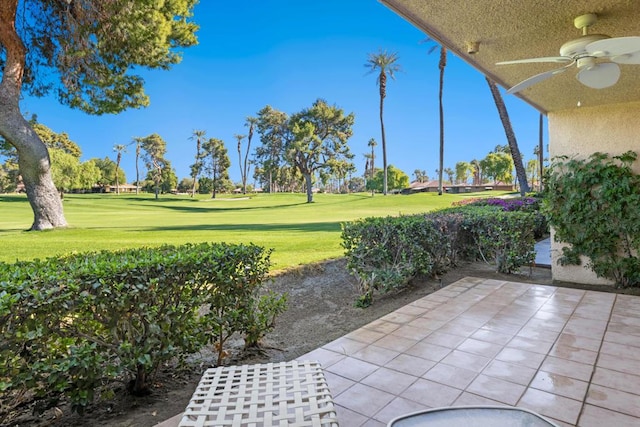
(380, 252)
(233, 300)
(502, 237)
(593, 206)
(68, 325)
(386, 253)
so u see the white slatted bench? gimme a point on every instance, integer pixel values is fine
(286, 394)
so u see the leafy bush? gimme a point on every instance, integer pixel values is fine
(593, 205)
(70, 324)
(380, 251)
(504, 237)
(515, 204)
(234, 303)
(386, 253)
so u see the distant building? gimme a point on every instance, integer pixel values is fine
(432, 186)
(124, 188)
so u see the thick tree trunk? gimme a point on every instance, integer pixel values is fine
(309, 184)
(35, 170)
(511, 138)
(32, 153)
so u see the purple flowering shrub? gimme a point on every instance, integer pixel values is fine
(524, 204)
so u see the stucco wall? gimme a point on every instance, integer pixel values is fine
(580, 132)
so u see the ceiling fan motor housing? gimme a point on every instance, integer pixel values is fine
(576, 48)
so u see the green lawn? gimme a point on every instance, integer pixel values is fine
(298, 232)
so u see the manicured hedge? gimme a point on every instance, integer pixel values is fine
(386, 253)
(69, 325)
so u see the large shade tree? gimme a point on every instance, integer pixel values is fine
(110, 173)
(155, 148)
(397, 179)
(84, 52)
(319, 140)
(498, 167)
(385, 64)
(462, 170)
(272, 126)
(216, 162)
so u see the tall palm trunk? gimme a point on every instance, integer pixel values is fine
(373, 168)
(137, 166)
(521, 173)
(195, 174)
(252, 123)
(118, 159)
(242, 170)
(441, 65)
(383, 93)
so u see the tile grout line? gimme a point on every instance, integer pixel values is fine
(595, 363)
(537, 370)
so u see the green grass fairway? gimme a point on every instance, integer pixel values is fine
(298, 232)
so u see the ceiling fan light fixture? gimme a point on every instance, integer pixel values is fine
(599, 76)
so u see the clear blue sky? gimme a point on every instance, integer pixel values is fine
(286, 54)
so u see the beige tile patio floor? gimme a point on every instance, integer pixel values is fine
(571, 355)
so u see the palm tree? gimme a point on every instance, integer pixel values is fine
(119, 148)
(450, 174)
(386, 64)
(521, 173)
(442, 63)
(240, 138)
(477, 172)
(372, 143)
(195, 168)
(251, 122)
(421, 175)
(137, 141)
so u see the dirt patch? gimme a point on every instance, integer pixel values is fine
(320, 310)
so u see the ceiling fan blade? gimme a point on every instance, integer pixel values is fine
(599, 76)
(538, 78)
(627, 58)
(617, 46)
(556, 59)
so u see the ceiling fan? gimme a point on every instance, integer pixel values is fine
(585, 52)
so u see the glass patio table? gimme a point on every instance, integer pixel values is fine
(472, 416)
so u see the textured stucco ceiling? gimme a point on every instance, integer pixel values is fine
(517, 29)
